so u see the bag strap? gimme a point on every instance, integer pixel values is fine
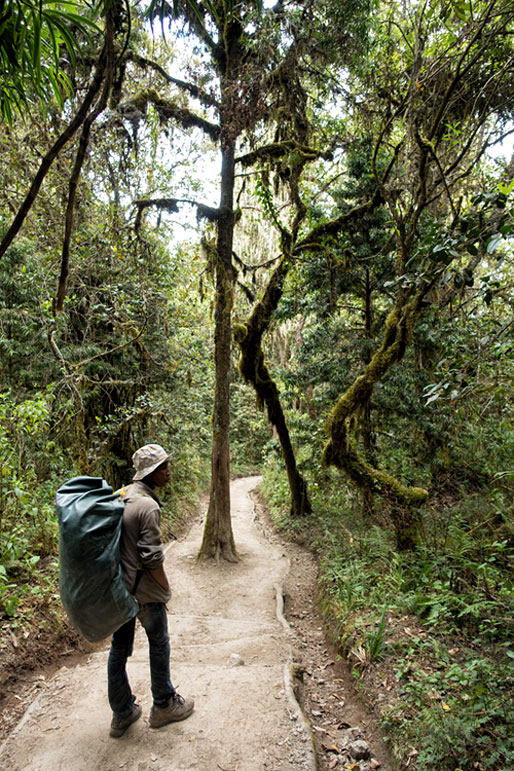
(139, 576)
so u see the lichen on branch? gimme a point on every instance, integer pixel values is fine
(169, 109)
(340, 451)
(276, 150)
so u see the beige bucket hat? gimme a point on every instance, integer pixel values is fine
(147, 458)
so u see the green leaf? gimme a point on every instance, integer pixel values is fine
(493, 243)
(506, 189)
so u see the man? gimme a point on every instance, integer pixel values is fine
(142, 561)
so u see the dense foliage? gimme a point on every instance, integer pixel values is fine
(362, 247)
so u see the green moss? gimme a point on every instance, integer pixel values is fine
(339, 450)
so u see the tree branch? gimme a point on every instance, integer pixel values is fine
(167, 108)
(458, 70)
(191, 88)
(139, 333)
(339, 450)
(332, 227)
(80, 157)
(171, 205)
(278, 149)
(54, 151)
(192, 14)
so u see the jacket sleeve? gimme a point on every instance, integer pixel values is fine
(149, 544)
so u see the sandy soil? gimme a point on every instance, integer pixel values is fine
(234, 651)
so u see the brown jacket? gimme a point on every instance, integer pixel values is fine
(141, 542)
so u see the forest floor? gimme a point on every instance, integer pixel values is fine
(247, 642)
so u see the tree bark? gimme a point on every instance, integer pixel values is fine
(340, 450)
(56, 148)
(367, 428)
(268, 392)
(255, 371)
(218, 538)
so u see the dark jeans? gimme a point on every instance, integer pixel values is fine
(155, 622)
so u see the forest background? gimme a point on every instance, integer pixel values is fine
(276, 239)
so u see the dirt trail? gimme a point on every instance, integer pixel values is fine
(231, 650)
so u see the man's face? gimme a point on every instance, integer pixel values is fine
(160, 477)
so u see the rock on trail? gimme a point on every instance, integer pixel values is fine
(231, 651)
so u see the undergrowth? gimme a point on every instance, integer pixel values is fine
(32, 468)
(428, 633)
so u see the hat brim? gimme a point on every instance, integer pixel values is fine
(142, 473)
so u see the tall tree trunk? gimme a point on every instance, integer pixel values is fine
(367, 429)
(254, 370)
(268, 392)
(218, 539)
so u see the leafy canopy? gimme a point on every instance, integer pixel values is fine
(39, 43)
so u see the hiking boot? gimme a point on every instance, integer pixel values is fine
(120, 724)
(177, 709)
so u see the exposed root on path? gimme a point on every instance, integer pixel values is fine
(317, 676)
(289, 678)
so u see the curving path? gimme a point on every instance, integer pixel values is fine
(231, 650)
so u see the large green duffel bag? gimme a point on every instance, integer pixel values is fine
(91, 584)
